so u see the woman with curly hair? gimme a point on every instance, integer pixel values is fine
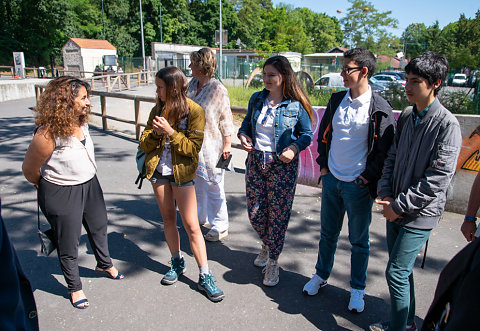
(60, 163)
(210, 93)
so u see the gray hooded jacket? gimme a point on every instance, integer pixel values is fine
(420, 165)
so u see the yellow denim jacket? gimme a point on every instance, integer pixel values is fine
(185, 145)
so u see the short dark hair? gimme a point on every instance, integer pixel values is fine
(429, 65)
(363, 58)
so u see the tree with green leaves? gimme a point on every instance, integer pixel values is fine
(324, 31)
(459, 41)
(365, 26)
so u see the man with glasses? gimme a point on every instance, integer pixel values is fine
(355, 134)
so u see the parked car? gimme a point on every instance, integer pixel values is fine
(399, 74)
(377, 87)
(388, 80)
(330, 82)
(459, 80)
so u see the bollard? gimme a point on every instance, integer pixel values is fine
(137, 118)
(103, 106)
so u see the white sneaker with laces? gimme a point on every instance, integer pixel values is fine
(271, 272)
(356, 304)
(314, 284)
(262, 258)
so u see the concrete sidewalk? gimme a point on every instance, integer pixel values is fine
(138, 247)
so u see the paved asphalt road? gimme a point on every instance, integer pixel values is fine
(138, 247)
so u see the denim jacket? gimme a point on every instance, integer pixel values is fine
(292, 123)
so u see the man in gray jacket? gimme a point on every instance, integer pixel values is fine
(413, 187)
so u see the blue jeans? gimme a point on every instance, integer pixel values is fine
(404, 243)
(338, 197)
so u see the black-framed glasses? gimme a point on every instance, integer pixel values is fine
(267, 113)
(348, 70)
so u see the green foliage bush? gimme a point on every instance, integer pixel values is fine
(458, 101)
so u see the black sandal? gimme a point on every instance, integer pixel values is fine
(77, 304)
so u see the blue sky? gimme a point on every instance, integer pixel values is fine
(406, 11)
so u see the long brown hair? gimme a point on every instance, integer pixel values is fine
(175, 107)
(55, 109)
(291, 86)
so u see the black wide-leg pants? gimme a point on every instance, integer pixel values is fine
(66, 209)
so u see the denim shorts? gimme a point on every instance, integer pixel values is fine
(158, 178)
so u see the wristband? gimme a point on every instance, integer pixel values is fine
(470, 219)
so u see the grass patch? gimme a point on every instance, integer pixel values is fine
(239, 96)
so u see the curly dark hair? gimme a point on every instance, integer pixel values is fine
(55, 108)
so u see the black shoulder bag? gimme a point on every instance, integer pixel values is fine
(47, 238)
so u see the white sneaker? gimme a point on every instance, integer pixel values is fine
(213, 235)
(271, 272)
(262, 258)
(356, 304)
(314, 284)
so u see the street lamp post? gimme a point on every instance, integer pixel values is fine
(221, 42)
(143, 42)
(103, 22)
(160, 10)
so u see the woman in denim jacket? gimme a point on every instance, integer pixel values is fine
(275, 130)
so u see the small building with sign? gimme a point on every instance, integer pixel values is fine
(178, 55)
(321, 63)
(81, 56)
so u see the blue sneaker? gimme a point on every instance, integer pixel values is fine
(177, 268)
(207, 284)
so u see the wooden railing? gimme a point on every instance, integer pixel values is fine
(110, 81)
(136, 106)
(7, 72)
(137, 99)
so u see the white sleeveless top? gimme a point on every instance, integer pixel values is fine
(71, 162)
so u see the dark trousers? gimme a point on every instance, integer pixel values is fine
(66, 209)
(17, 304)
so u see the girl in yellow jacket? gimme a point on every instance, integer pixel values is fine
(171, 141)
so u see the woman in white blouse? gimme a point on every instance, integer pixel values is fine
(60, 162)
(210, 93)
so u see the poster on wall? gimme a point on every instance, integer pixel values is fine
(19, 64)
